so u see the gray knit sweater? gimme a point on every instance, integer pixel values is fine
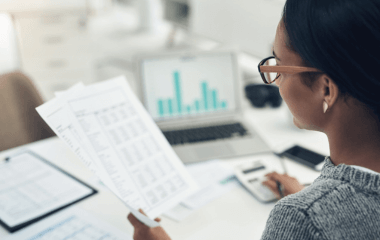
(342, 203)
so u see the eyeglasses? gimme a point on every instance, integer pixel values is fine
(270, 72)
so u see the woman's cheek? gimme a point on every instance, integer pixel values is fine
(285, 92)
(279, 83)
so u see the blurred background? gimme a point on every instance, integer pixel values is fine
(60, 42)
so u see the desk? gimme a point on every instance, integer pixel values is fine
(236, 215)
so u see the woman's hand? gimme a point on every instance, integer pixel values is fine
(143, 232)
(290, 184)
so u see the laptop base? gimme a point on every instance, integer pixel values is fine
(197, 152)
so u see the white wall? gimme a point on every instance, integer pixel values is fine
(9, 57)
(249, 24)
(38, 5)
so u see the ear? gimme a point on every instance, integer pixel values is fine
(330, 91)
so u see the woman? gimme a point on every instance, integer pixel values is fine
(327, 56)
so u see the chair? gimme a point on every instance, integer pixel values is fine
(19, 121)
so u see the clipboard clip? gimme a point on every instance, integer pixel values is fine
(18, 152)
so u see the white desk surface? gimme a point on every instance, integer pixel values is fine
(236, 215)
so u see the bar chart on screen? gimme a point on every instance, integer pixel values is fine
(208, 101)
(177, 87)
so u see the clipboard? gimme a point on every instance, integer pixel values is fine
(50, 168)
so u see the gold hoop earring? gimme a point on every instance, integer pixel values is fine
(325, 106)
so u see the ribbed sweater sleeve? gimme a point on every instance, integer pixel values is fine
(343, 203)
(288, 222)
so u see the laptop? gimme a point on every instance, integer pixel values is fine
(196, 100)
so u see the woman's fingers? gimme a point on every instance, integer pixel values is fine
(284, 179)
(134, 221)
(276, 176)
(290, 184)
(272, 185)
(156, 219)
(141, 211)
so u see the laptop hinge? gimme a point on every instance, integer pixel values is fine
(210, 121)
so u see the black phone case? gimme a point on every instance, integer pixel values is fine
(301, 160)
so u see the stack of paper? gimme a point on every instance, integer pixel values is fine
(110, 131)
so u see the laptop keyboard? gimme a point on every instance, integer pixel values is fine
(204, 134)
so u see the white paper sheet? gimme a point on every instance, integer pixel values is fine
(209, 194)
(70, 224)
(178, 213)
(210, 176)
(209, 172)
(30, 188)
(108, 128)
(214, 181)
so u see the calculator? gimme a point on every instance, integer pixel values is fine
(251, 175)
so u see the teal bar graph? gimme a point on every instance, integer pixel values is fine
(161, 107)
(215, 99)
(170, 106)
(205, 97)
(177, 90)
(207, 102)
(224, 105)
(197, 105)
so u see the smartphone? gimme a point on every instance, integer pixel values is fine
(305, 156)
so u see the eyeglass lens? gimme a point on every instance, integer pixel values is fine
(270, 77)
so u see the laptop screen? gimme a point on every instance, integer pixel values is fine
(181, 86)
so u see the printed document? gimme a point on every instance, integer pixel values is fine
(111, 132)
(70, 224)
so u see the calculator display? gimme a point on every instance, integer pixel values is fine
(253, 169)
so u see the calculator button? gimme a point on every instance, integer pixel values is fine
(265, 191)
(262, 190)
